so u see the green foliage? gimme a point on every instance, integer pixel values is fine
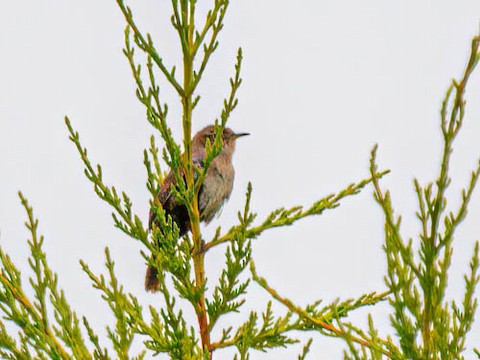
(182, 260)
(427, 326)
(47, 326)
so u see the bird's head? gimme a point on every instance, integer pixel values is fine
(228, 137)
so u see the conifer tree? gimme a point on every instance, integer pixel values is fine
(426, 324)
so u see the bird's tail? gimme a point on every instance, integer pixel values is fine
(151, 280)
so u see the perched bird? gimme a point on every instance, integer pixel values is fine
(214, 191)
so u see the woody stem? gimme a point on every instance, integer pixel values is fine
(187, 14)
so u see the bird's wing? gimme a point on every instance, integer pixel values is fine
(165, 194)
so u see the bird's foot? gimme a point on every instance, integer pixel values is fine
(200, 250)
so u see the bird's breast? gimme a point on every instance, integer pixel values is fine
(215, 190)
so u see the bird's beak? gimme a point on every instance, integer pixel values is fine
(236, 136)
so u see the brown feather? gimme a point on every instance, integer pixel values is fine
(213, 193)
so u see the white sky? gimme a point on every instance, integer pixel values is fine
(323, 82)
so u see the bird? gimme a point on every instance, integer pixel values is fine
(212, 195)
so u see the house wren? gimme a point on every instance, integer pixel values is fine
(213, 192)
